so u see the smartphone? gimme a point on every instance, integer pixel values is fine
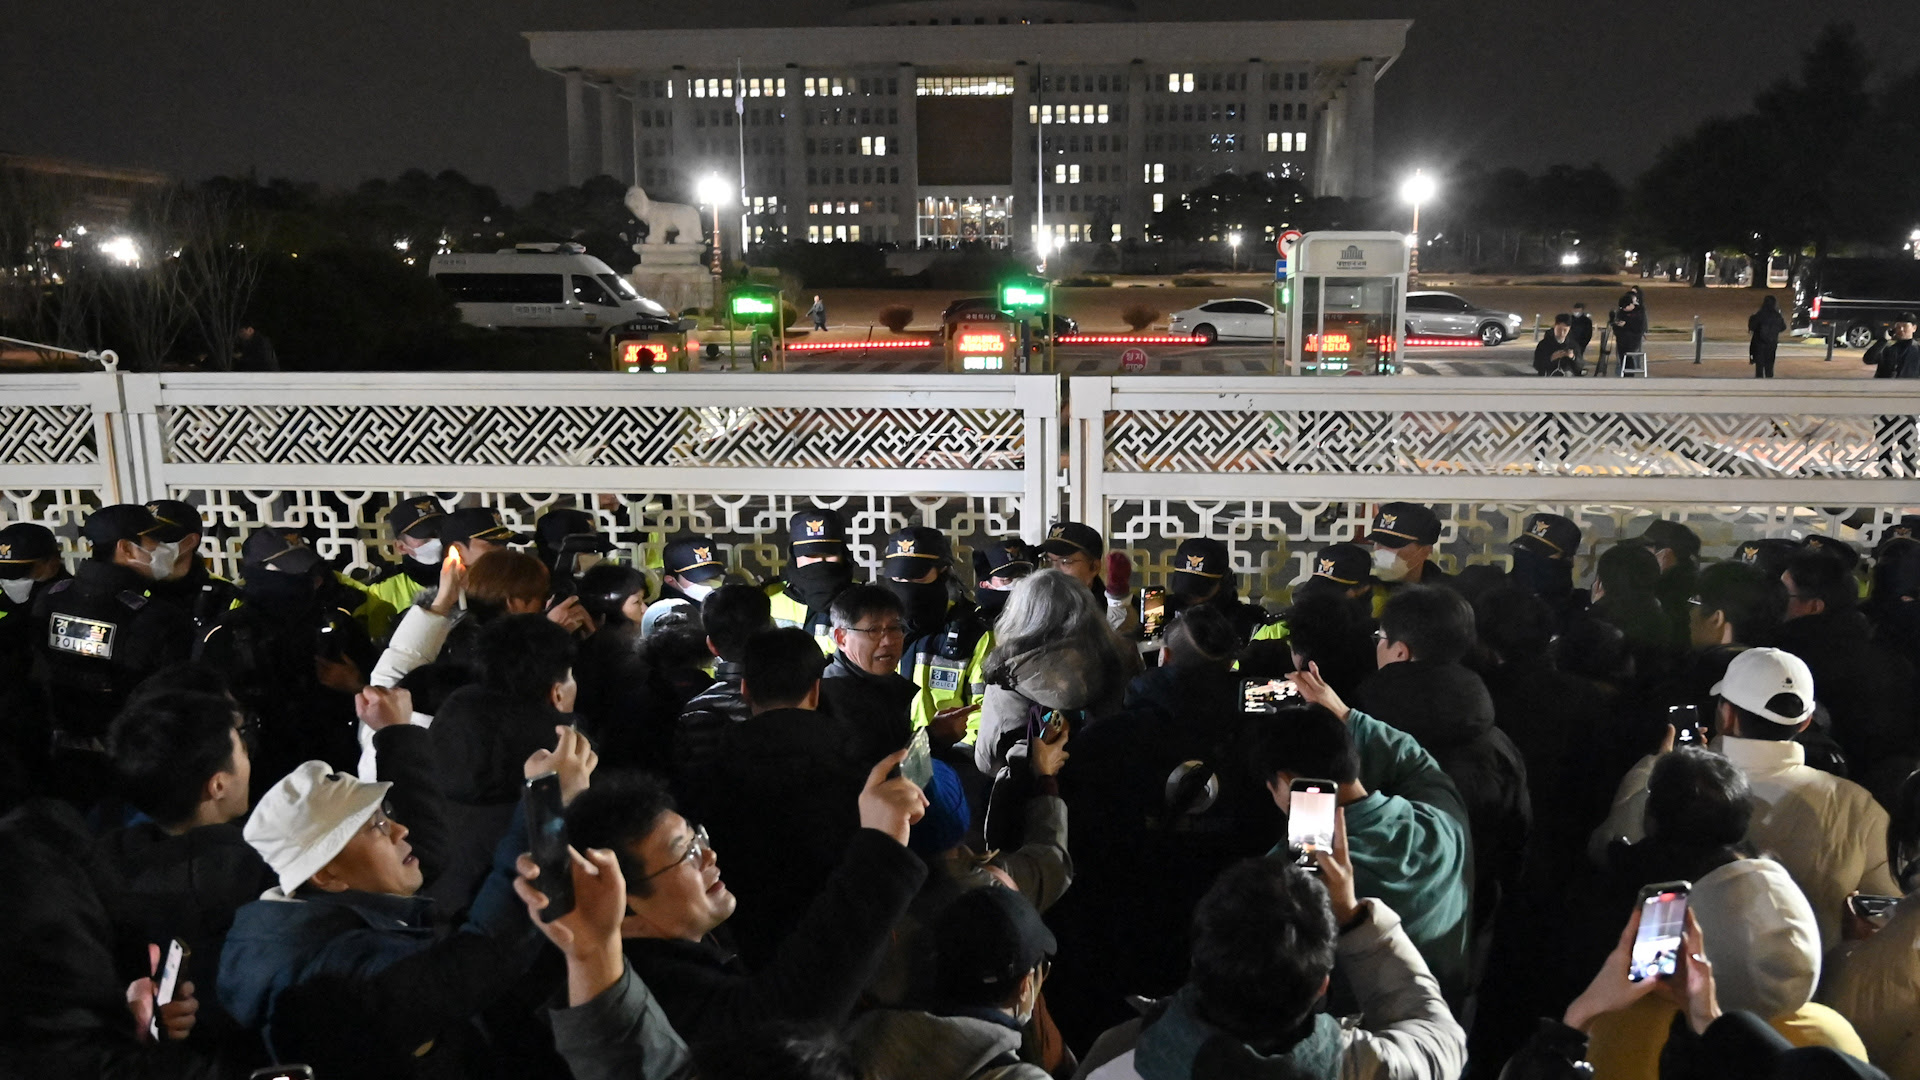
(1310, 807)
(1875, 909)
(1663, 918)
(917, 766)
(1265, 696)
(1153, 611)
(282, 1072)
(1687, 729)
(547, 835)
(165, 983)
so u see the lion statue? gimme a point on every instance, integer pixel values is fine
(666, 222)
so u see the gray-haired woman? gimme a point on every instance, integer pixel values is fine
(1054, 650)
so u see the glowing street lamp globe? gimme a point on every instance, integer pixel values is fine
(1418, 188)
(713, 191)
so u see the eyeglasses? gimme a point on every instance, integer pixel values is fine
(382, 821)
(889, 630)
(1067, 560)
(1697, 601)
(697, 849)
(1379, 635)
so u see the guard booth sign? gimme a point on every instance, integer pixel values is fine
(982, 341)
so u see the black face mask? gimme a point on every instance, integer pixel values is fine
(1549, 579)
(991, 600)
(926, 604)
(281, 593)
(816, 584)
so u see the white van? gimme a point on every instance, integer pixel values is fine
(550, 286)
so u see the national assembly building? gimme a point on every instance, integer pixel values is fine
(929, 123)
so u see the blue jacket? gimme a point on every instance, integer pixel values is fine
(360, 984)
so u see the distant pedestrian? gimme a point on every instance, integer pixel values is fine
(819, 313)
(1629, 322)
(253, 352)
(1901, 357)
(1766, 326)
(1581, 336)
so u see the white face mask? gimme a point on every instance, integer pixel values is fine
(17, 589)
(696, 592)
(428, 552)
(1387, 565)
(162, 559)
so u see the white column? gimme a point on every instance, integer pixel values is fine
(1134, 207)
(1359, 136)
(634, 105)
(609, 130)
(578, 160)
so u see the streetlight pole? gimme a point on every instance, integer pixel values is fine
(1233, 243)
(1418, 189)
(714, 192)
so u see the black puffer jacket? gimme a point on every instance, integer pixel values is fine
(1447, 709)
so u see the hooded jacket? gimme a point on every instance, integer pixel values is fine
(928, 1046)
(1764, 945)
(1404, 1031)
(1068, 674)
(1446, 708)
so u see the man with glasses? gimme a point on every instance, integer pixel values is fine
(862, 685)
(1076, 550)
(677, 901)
(339, 966)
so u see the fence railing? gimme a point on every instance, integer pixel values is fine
(1279, 468)
(1276, 467)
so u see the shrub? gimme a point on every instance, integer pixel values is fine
(896, 317)
(1185, 281)
(1140, 316)
(1086, 281)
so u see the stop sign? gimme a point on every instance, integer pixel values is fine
(1133, 360)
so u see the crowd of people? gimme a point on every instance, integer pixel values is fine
(1007, 819)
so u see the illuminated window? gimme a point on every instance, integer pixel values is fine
(1116, 231)
(1059, 174)
(963, 86)
(1073, 114)
(809, 86)
(839, 232)
(866, 145)
(1273, 141)
(839, 87)
(1073, 174)
(1074, 232)
(1159, 201)
(1286, 142)
(1155, 173)
(880, 145)
(1186, 83)
(1101, 113)
(780, 87)
(853, 233)
(1300, 141)
(854, 206)
(813, 234)
(1033, 114)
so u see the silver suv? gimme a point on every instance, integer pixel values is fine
(1442, 314)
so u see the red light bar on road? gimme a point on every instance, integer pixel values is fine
(822, 346)
(1125, 339)
(1446, 342)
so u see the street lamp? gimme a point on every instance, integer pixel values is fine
(1417, 189)
(1233, 242)
(713, 191)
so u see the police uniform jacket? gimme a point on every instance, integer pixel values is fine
(100, 634)
(201, 593)
(948, 664)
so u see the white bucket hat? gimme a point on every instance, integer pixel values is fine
(308, 817)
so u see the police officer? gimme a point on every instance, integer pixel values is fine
(98, 634)
(1203, 574)
(690, 569)
(997, 568)
(570, 544)
(1344, 570)
(295, 660)
(475, 530)
(821, 568)
(191, 587)
(29, 566)
(947, 640)
(1543, 557)
(1077, 551)
(416, 525)
(1403, 535)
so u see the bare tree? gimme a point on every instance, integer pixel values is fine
(150, 300)
(221, 255)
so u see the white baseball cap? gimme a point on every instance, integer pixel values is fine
(308, 817)
(1757, 676)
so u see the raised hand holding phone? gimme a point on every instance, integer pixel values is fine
(1315, 689)
(1313, 818)
(1336, 870)
(891, 803)
(589, 932)
(547, 836)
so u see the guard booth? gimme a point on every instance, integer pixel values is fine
(982, 341)
(652, 345)
(1349, 303)
(758, 312)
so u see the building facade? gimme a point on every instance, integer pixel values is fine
(941, 122)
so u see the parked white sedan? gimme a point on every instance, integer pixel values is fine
(1238, 318)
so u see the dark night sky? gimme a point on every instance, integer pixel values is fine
(341, 90)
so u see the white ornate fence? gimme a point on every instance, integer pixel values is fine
(728, 456)
(1280, 468)
(1277, 467)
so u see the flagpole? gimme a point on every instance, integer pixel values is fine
(740, 121)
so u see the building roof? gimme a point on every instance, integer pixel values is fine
(968, 49)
